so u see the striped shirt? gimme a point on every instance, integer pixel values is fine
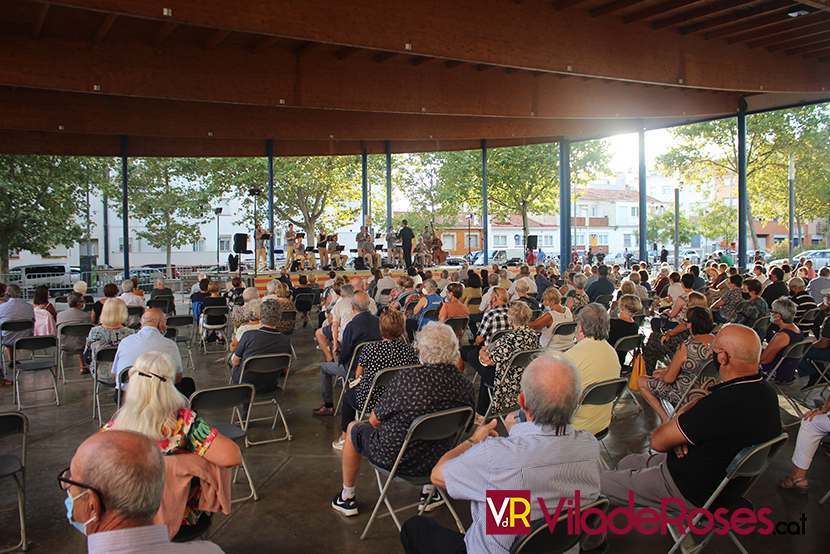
(550, 463)
(142, 540)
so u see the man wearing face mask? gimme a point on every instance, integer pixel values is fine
(694, 449)
(114, 486)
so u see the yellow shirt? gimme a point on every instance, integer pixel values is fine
(470, 293)
(597, 361)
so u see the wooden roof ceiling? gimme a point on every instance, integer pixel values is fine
(217, 78)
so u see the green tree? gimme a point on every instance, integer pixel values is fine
(719, 222)
(42, 199)
(660, 228)
(171, 198)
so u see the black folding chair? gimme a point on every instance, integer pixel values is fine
(349, 373)
(103, 364)
(218, 328)
(161, 303)
(430, 427)
(625, 345)
(808, 317)
(71, 330)
(760, 326)
(602, 394)
(15, 423)
(229, 397)
(265, 364)
(121, 381)
(14, 325)
(604, 299)
(50, 362)
(475, 301)
(134, 314)
(705, 370)
(430, 315)
(516, 364)
(384, 297)
(304, 302)
(564, 329)
(289, 315)
(795, 351)
(543, 540)
(381, 379)
(183, 322)
(499, 334)
(745, 469)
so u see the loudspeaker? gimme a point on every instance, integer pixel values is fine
(240, 243)
(359, 264)
(532, 241)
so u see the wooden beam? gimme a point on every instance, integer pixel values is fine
(381, 57)
(420, 60)
(779, 35)
(660, 9)
(699, 13)
(793, 27)
(215, 39)
(37, 26)
(614, 7)
(483, 67)
(821, 45)
(740, 15)
(817, 53)
(263, 44)
(104, 28)
(565, 4)
(305, 48)
(804, 41)
(748, 26)
(163, 32)
(344, 53)
(449, 64)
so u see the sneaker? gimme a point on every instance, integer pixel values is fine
(338, 444)
(432, 500)
(346, 507)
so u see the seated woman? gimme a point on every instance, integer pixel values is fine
(238, 311)
(286, 327)
(436, 385)
(472, 289)
(376, 356)
(494, 359)
(235, 290)
(453, 306)
(662, 345)
(430, 299)
(154, 407)
(110, 291)
(405, 294)
(627, 287)
(554, 314)
(783, 315)
(252, 318)
(672, 382)
(624, 325)
(815, 425)
(109, 333)
(677, 314)
(755, 308)
(301, 288)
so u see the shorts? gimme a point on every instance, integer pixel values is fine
(327, 332)
(361, 435)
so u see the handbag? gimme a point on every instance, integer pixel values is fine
(638, 368)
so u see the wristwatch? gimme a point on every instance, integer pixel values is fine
(472, 444)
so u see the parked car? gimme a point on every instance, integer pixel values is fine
(502, 256)
(820, 258)
(163, 269)
(57, 276)
(146, 277)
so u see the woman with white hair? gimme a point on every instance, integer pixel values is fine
(109, 333)
(783, 314)
(80, 287)
(251, 311)
(154, 407)
(579, 299)
(238, 312)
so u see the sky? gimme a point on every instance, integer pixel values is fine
(625, 149)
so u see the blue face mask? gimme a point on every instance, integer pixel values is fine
(70, 503)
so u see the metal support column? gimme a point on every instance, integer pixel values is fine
(743, 199)
(365, 181)
(564, 205)
(125, 215)
(388, 186)
(271, 204)
(106, 214)
(791, 176)
(643, 192)
(484, 220)
(677, 229)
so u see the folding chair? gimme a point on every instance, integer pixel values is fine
(475, 301)
(163, 304)
(381, 379)
(499, 334)
(564, 328)
(542, 540)
(184, 321)
(808, 317)
(171, 333)
(71, 330)
(104, 355)
(602, 394)
(289, 315)
(704, 371)
(122, 379)
(604, 299)
(429, 427)
(15, 423)
(639, 318)
(61, 300)
(206, 328)
(625, 345)
(12, 326)
(134, 314)
(535, 313)
(44, 342)
(794, 351)
(457, 323)
(349, 373)
(410, 303)
(428, 315)
(647, 302)
(304, 302)
(384, 298)
(760, 326)
(267, 363)
(516, 364)
(744, 470)
(229, 397)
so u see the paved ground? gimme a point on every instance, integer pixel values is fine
(296, 480)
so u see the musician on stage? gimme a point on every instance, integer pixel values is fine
(259, 246)
(334, 253)
(370, 253)
(301, 256)
(406, 234)
(427, 235)
(361, 237)
(321, 248)
(421, 252)
(290, 239)
(391, 250)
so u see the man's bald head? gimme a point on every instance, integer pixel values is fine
(551, 388)
(357, 283)
(498, 297)
(126, 469)
(153, 317)
(743, 347)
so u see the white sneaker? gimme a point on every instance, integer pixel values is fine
(338, 444)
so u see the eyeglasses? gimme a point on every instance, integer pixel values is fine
(65, 481)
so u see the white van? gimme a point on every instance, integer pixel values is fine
(57, 276)
(503, 256)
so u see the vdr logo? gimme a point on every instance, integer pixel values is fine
(508, 512)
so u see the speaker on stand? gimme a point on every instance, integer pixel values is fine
(533, 242)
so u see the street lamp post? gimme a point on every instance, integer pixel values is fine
(469, 230)
(255, 192)
(218, 212)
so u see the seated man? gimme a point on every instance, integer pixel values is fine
(161, 290)
(13, 309)
(150, 338)
(695, 448)
(114, 486)
(334, 253)
(521, 295)
(75, 314)
(421, 253)
(128, 296)
(542, 453)
(602, 286)
(495, 320)
(413, 392)
(258, 342)
(362, 326)
(370, 253)
(597, 361)
(300, 255)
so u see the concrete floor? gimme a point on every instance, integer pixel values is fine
(296, 480)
